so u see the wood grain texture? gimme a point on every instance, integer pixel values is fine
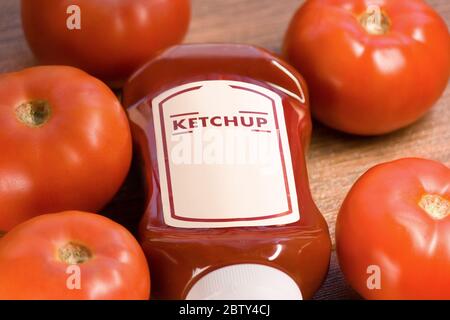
(335, 160)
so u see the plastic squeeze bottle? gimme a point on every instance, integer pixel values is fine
(221, 132)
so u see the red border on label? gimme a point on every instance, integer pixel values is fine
(167, 165)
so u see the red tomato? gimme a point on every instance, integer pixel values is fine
(115, 36)
(72, 255)
(372, 66)
(393, 231)
(65, 143)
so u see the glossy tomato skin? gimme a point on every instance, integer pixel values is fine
(31, 268)
(115, 38)
(76, 160)
(369, 84)
(381, 223)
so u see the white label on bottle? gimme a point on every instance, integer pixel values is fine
(223, 156)
(245, 282)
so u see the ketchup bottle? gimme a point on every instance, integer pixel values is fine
(221, 132)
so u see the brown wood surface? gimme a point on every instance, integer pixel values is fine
(335, 160)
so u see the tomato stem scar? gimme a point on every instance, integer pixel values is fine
(34, 113)
(74, 253)
(436, 206)
(375, 21)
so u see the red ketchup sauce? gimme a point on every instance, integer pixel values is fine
(221, 133)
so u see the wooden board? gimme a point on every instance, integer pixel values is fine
(335, 160)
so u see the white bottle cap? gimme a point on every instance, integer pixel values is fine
(245, 282)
